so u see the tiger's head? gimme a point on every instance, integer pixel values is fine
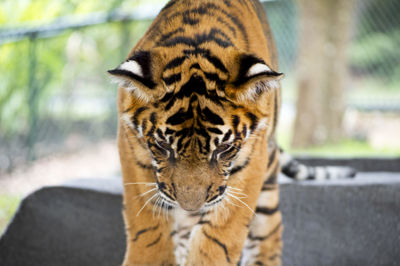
(194, 117)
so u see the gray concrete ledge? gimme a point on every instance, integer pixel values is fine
(350, 222)
(58, 226)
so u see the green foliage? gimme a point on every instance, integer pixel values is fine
(8, 206)
(374, 51)
(63, 67)
(377, 54)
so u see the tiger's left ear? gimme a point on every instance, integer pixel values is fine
(254, 78)
(136, 75)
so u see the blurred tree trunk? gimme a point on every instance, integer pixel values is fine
(325, 29)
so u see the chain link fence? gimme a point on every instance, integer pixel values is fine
(55, 95)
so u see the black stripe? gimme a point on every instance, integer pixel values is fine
(169, 5)
(275, 110)
(262, 238)
(244, 131)
(216, 62)
(229, 153)
(214, 130)
(128, 110)
(215, 31)
(179, 145)
(168, 195)
(140, 232)
(198, 39)
(227, 135)
(205, 53)
(168, 35)
(271, 157)
(188, 15)
(253, 119)
(266, 187)
(155, 148)
(214, 77)
(180, 117)
(188, 19)
(169, 131)
(213, 198)
(195, 65)
(155, 241)
(196, 85)
(272, 179)
(144, 166)
(239, 167)
(235, 122)
(227, 3)
(146, 82)
(160, 134)
(170, 103)
(205, 222)
(186, 236)
(153, 118)
(210, 8)
(266, 210)
(211, 117)
(201, 131)
(238, 24)
(175, 62)
(135, 116)
(186, 132)
(172, 79)
(226, 24)
(216, 142)
(219, 243)
(144, 124)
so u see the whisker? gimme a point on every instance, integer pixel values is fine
(230, 202)
(233, 196)
(166, 210)
(141, 195)
(160, 207)
(236, 193)
(234, 188)
(155, 206)
(141, 183)
(152, 197)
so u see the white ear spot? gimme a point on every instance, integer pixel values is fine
(132, 66)
(257, 69)
(130, 87)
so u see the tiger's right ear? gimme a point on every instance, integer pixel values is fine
(135, 75)
(254, 77)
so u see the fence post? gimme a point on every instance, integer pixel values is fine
(32, 98)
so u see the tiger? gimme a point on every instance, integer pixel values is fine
(198, 105)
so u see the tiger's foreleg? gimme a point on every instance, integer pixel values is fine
(219, 236)
(148, 234)
(264, 244)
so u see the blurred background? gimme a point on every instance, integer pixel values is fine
(58, 120)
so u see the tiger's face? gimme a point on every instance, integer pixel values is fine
(194, 117)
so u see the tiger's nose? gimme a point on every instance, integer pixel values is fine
(191, 199)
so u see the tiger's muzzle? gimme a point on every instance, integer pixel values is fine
(191, 198)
